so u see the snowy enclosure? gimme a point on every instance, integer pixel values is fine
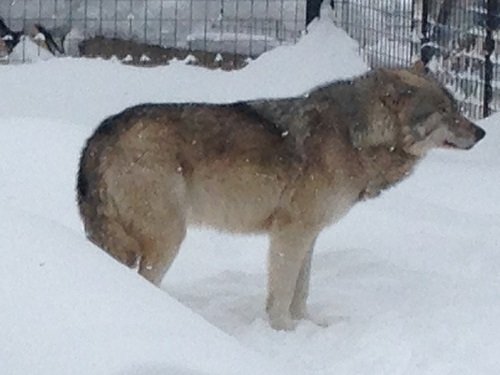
(408, 282)
(248, 27)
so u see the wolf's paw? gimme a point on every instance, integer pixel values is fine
(282, 323)
(299, 312)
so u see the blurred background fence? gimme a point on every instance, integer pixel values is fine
(456, 38)
(245, 27)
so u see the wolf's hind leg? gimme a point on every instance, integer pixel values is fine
(161, 241)
(110, 236)
(150, 202)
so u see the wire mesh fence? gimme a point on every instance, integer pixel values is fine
(382, 28)
(456, 38)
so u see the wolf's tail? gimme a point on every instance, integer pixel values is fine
(101, 222)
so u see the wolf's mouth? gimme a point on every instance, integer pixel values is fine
(448, 144)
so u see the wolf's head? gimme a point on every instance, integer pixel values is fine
(426, 113)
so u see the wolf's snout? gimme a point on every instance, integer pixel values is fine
(479, 133)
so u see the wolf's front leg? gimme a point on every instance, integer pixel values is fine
(289, 249)
(298, 308)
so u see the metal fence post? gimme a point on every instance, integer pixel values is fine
(425, 50)
(312, 10)
(489, 47)
(413, 26)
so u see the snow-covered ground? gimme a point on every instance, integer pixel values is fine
(409, 283)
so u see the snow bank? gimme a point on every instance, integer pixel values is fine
(67, 308)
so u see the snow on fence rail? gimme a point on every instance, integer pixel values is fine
(456, 38)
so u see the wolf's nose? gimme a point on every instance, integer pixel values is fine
(480, 133)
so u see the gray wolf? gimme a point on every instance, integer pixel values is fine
(284, 167)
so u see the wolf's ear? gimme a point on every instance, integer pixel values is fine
(418, 68)
(395, 89)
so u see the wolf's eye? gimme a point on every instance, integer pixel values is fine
(443, 110)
